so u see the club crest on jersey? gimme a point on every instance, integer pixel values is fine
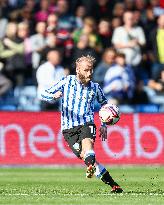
(91, 93)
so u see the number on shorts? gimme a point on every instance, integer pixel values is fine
(93, 130)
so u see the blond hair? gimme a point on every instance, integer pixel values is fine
(90, 22)
(88, 58)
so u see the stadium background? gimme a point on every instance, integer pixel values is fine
(30, 131)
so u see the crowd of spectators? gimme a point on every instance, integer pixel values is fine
(40, 41)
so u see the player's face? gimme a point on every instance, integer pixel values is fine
(84, 71)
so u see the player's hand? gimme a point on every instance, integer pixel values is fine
(103, 133)
(58, 94)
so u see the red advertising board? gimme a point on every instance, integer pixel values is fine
(28, 138)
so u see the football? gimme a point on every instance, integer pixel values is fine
(109, 114)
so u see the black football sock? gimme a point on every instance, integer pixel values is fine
(107, 179)
(104, 175)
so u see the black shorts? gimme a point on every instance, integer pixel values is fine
(75, 135)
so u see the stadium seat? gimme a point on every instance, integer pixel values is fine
(8, 102)
(27, 98)
(126, 109)
(150, 108)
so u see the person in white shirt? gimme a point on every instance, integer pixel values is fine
(48, 74)
(129, 39)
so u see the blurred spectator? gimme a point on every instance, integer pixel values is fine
(119, 81)
(129, 39)
(149, 26)
(73, 4)
(66, 20)
(82, 49)
(38, 43)
(105, 33)
(119, 9)
(79, 16)
(3, 25)
(89, 5)
(10, 35)
(23, 33)
(47, 74)
(4, 9)
(21, 62)
(3, 17)
(157, 43)
(52, 22)
(27, 14)
(63, 35)
(14, 4)
(51, 44)
(31, 6)
(116, 22)
(102, 9)
(89, 29)
(24, 37)
(5, 84)
(129, 5)
(108, 60)
(53, 6)
(157, 10)
(7, 101)
(11, 31)
(137, 18)
(140, 95)
(11, 52)
(43, 12)
(140, 5)
(155, 89)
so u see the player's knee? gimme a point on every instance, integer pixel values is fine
(87, 144)
(89, 158)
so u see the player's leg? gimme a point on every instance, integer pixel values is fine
(87, 138)
(84, 149)
(88, 155)
(81, 147)
(93, 167)
(103, 174)
(89, 158)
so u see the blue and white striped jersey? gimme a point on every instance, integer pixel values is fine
(77, 101)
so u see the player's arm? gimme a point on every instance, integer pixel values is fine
(102, 101)
(54, 92)
(100, 95)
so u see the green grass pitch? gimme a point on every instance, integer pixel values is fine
(66, 186)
